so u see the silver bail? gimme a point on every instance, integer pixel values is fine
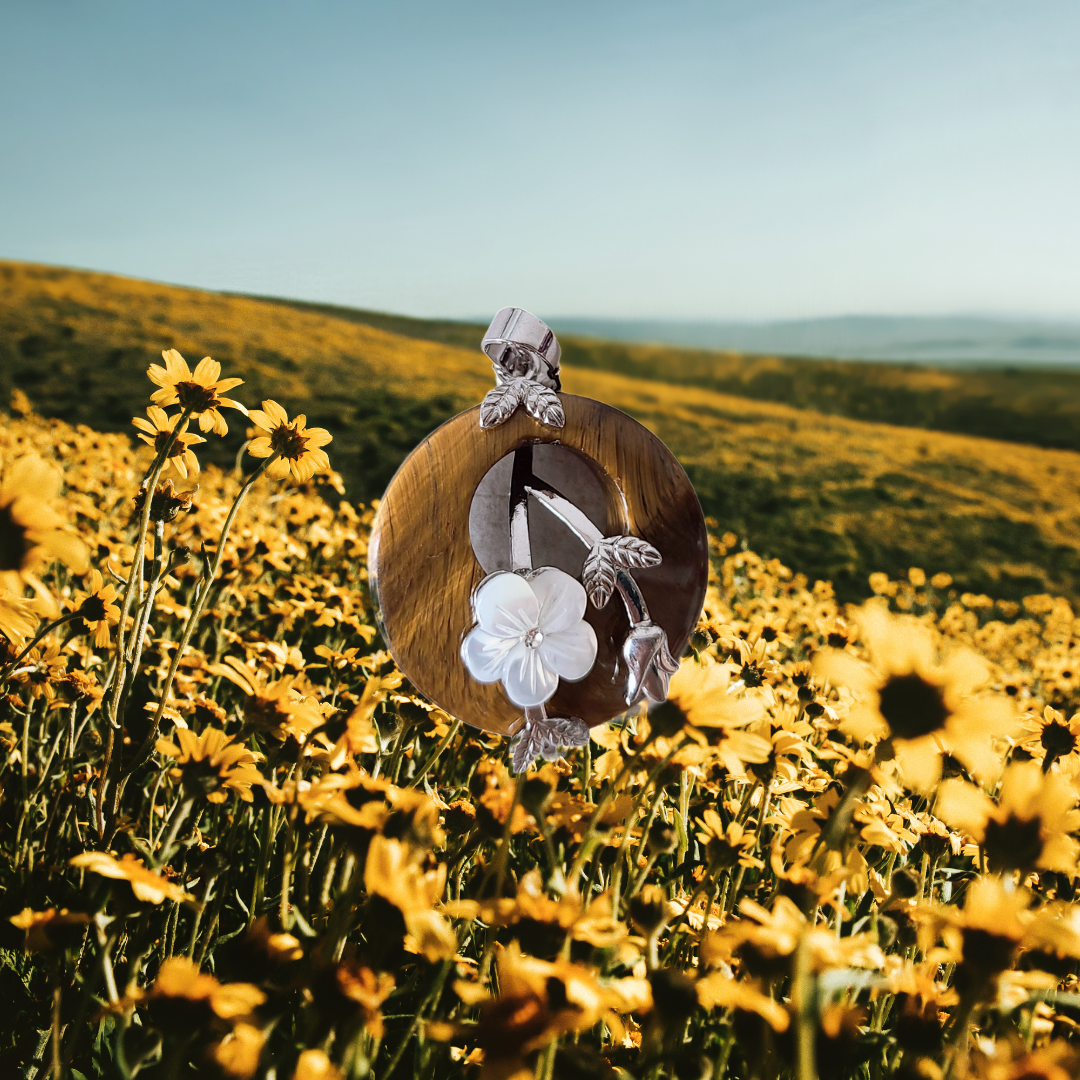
(521, 346)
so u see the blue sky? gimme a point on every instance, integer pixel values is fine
(676, 160)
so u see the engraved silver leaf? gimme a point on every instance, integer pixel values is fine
(499, 403)
(527, 747)
(600, 569)
(632, 552)
(598, 574)
(569, 731)
(544, 404)
(545, 738)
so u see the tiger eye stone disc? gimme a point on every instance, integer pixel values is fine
(423, 566)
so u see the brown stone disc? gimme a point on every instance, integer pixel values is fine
(424, 568)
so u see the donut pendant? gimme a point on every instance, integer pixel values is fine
(539, 562)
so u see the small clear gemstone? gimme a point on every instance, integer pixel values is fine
(534, 638)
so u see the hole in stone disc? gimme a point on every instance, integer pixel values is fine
(553, 544)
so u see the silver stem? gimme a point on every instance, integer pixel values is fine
(520, 544)
(575, 520)
(637, 610)
(562, 508)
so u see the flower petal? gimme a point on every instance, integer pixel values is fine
(261, 420)
(526, 680)
(260, 447)
(485, 654)
(562, 599)
(207, 372)
(275, 412)
(570, 653)
(505, 604)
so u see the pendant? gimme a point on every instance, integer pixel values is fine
(539, 562)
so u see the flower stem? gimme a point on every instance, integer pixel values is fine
(418, 779)
(196, 613)
(135, 574)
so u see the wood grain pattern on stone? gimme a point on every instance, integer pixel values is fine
(424, 568)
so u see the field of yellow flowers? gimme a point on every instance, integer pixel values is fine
(836, 496)
(236, 844)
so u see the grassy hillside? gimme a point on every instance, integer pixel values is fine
(834, 496)
(1017, 404)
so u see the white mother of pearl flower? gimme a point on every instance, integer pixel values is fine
(529, 633)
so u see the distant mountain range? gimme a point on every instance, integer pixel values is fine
(959, 340)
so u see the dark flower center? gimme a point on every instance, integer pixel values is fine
(14, 546)
(666, 719)
(179, 448)
(837, 641)
(201, 776)
(288, 442)
(1057, 740)
(92, 609)
(720, 854)
(912, 707)
(985, 953)
(1013, 844)
(195, 397)
(752, 674)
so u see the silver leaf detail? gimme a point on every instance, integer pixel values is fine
(598, 574)
(599, 571)
(632, 552)
(500, 403)
(545, 738)
(527, 747)
(544, 404)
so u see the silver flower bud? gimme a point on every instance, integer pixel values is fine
(649, 661)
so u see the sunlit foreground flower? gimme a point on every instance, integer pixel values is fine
(145, 884)
(199, 392)
(916, 707)
(529, 633)
(50, 929)
(298, 447)
(182, 994)
(158, 430)
(702, 701)
(211, 764)
(274, 706)
(538, 1001)
(392, 871)
(31, 532)
(1028, 828)
(983, 936)
(18, 617)
(766, 941)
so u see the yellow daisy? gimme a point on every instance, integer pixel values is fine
(145, 884)
(1030, 826)
(1051, 738)
(916, 704)
(211, 764)
(200, 392)
(96, 608)
(31, 533)
(156, 433)
(297, 446)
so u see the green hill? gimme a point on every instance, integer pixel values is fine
(1018, 404)
(832, 496)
